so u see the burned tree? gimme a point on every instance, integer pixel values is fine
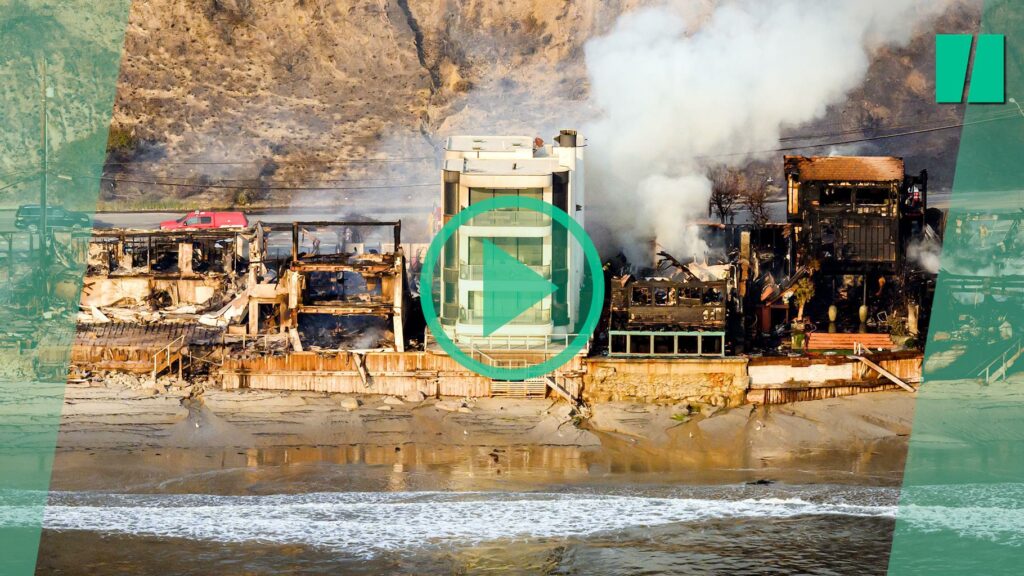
(725, 193)
(755, 199)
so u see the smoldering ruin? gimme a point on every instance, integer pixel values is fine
(329, 305)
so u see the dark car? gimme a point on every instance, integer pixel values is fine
(29, 217)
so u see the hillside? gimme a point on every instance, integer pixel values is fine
(298, 102)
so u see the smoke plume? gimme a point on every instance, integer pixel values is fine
(681, 89)
(926, 252)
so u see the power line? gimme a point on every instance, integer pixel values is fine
(1007, 114)
(19, 172)
(271, 183)
(231, 187)
(858, 140)
(13, 184)
(271, 160)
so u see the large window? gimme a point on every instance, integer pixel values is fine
(529, 251)
(481, 194)
(473, 313)
(873, 196)
(837, 196)
(508, 216)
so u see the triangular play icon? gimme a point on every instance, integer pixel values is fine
(510, 287)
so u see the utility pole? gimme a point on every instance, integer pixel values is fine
(44, 243)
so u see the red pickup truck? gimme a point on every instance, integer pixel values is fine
(203, 220)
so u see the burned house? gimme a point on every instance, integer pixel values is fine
(345, 293)
(165, 267)
(679, 310)
(853, 219)
(854, 214)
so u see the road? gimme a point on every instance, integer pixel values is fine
(414, 218)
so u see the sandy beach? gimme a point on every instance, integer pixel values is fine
(113, 431)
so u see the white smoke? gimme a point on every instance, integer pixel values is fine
(927, 252)
(681, 90)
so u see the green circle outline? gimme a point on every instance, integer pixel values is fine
(590, 255)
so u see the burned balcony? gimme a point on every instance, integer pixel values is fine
(682, 314)
(853, 213)
(664, 303)
(167, 253)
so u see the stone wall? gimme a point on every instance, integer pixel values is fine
(715, 382)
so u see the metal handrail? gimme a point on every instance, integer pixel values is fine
(510, 217)
(210, 362)
(166, 351)
(1001, 371)
(545, 343)
(507, 364)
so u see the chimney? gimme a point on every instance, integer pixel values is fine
(566, 138)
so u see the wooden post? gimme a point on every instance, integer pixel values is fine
(254, 316)
(185, 258)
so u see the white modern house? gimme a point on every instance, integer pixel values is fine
(478, 168)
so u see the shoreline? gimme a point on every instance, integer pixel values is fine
(116, 437)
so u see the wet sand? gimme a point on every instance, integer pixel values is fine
(114, 437)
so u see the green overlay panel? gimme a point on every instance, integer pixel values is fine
(61, 57)
(962, 505)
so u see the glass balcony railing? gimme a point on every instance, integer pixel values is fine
(511, 218)
(476, 271)
(474, 317)
(451, 274)
(450, 310)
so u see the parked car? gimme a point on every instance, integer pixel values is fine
(29, 216)
(202, 220)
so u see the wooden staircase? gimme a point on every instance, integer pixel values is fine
(824, 341)
(533, 388)
(883, 372)
(166, 357)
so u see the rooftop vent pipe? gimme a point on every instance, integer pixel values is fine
(566, 138)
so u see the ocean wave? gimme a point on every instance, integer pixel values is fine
(364, 523)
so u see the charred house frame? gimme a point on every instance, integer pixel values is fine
(853, 218)
(317, 282)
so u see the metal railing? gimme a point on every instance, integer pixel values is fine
(168, 355)
(510, 218)
(1004, 362)
(652, 343)
(476, 271)
(552, 343)
(476, 317)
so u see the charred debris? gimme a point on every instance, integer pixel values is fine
(844, 271)
(154, 300)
